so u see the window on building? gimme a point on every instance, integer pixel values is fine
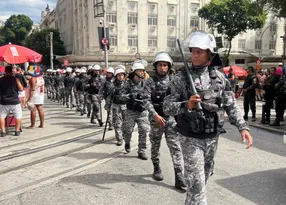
(257, 44)
(132, 18)
(273, 27)
(241, 44)
(152, 8)
(132, 5)
(113, 40)
(171, 42)
(111, 18)
(272, 45)
(194, 7)
(152, 41)
(194, 22)
(239, 61)
(171, 21)
(152, 19)
(132, 40)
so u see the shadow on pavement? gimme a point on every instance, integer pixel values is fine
(100, 179)
(263, 188)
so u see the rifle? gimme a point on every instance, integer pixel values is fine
(189, 76)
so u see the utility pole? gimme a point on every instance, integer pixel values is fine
(104, 36)
(51, 51)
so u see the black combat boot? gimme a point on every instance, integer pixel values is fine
(275, 123)
(127, 147)
(245, 117)
(100, 123)
(110, 126)
(92, 121)
(157, 174)
(179, 179)
(119, 143)
(142, 155)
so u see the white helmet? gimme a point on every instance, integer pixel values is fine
(119, 70)
(69, 70)
(137, 66)
(54, 71)
(77, 70)
(202, 40)
(120, 67)
(58, 70)
(82, 70)
(164, 57)
(110, 70)
(64, 71)
(96, 67)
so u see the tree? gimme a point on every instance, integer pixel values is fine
(39, 42)
(2, 38)
(231, 17)
(16, 28)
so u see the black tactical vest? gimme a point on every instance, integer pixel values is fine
(118, 85)
(160, 92)
(208, 123)
(135, 103)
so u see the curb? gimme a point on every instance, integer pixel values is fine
(268, 128)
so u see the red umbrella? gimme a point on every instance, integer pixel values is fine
(14, 54)
(238, 71)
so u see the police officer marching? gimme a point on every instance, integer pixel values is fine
(69, 83)
(106, 91)
(93, 88)
(132, 95)
(199, 129)
(114, 105)
(155, 92)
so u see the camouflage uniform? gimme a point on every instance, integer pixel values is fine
(76, 96)
(94, 85)
(135, 113)
(155, 92)
(198, 146)
(117, 108)
(68, 84)
(80, 88)
(105, 92)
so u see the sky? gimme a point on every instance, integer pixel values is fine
(31, 8)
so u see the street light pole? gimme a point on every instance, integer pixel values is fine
(51, 50)
(260, 40)
(104, 36)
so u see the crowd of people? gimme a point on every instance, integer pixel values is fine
(189, 114)
(267, 86)
(20, 90)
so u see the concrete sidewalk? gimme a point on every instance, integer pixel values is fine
(274, 129)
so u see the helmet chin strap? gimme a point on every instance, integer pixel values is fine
(138, 75)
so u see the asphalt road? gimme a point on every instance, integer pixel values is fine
(241, 177)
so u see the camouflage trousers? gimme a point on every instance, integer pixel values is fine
(142, 121)
(118, 115)
(81, 100)
(92, 103)
(199, 163)
(69, 97)
(172, 141)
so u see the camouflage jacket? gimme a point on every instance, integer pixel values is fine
(176, 102)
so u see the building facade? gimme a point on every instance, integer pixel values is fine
(135, 26)
(264, 45)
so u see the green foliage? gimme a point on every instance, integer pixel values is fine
(2, 38)
(231, 17)
(39, 42)
(278, 7)
(16, 28)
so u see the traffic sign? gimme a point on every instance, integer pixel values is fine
(137, 55)
(104, 41)
(258, 62)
